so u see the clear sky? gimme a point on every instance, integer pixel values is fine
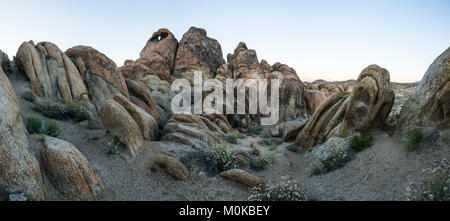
(332, 40)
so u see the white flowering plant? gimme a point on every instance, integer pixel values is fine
(286, 190)
(334, 159)
(222, 158)
(432, 185)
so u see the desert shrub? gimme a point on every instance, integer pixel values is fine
(413, 138)
(361, 142)
(432, 185)
(273, 147)
(61, 111)
(231, 138)
(293, 148)
(336, 158)
(51, 128)
(265, 160)
(34, 125)
(42, 138)
(253, 144)
(285, 190)
(255, 130)
(223, 159)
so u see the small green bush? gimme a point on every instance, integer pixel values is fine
(265, 160)
(361, 142)
(51, 128)
(413, 138)
(77, 112)
(273, 147)
(223, 159)
(61, 111)
(286, 190)
(335, 159)
(34, 125)
(293, 148)
(42, 138)
(231, 138)
(255, 130)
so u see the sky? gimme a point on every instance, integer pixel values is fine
(331, 40)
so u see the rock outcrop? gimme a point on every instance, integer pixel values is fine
(144, 120)
(197, 51)
(100, 74)
(4, 62)
(429, 104)
(20, 171)
(193, 130)
(243, 177)
(342, 113)
(52, 74)
(173, 167)
(122, 127)
(69, 170)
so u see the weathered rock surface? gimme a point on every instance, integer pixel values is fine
(313, 98)
(52, 74)
(198, 52)
(243, 177)
(159, 53)
(20, 171)
(4, 62)
(429, 104)
(144, 120)
(173, 167)
(122, 126)
(193, 130)
(100, 74)
(342, 113)
(141, 96)
(69, 170)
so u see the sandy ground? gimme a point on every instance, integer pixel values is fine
(380, 172)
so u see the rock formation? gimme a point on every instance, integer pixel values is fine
(342, 113)
(100, 74)
(197, 52)
(20, 171)
(52, 74)
(4, 62)
(429, 104)
(121, 126)
(243, 177)
(70, 171)
(173, 167)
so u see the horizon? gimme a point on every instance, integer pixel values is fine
(405, 39)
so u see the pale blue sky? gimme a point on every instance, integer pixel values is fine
(332, 40)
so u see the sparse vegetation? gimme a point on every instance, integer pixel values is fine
(273, 146)
(51, 128)
(413, 138)
(286, 190)
(361, 142)
(223, 159)
(335, 159)
(293, 148)
(42, 138)
(231, 138)
(34, 125)
(265, 160)
(433, 185)
(60, 111)
(255, 130)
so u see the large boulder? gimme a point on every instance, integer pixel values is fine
(342, 114)
(69, 170)
(313, 98)
(4, 62)
(429, 104)
(20, 171)
(52, 74)
(141, 96)
(370, 102)
(147, 124)
(121, 126)
(193, 130)
(197, 52)
(159, 53)
(100, 74)
(173, 167)
(243, 177)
